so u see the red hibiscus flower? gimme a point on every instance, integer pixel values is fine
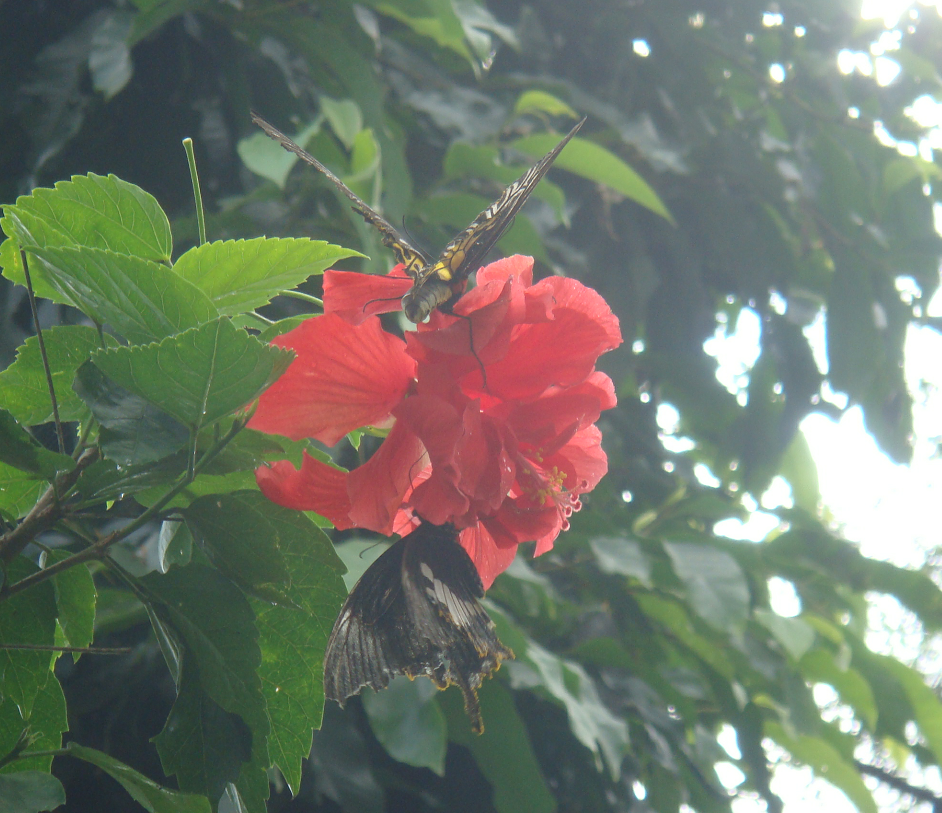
(493, 409)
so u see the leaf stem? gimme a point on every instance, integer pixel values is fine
(42, 352)
(52, 752)
(305, 297)
(197, 195)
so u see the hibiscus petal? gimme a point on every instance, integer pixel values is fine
(517, 265)
(582, 459)
(377, 488)
(570, 294)
(314, 487)
(468, 338)
(489, 558)
(344, 377)
(484, 463)
(438, 426)
(523, 520)
(354, 297)
(562, 352)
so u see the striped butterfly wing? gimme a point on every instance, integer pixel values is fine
(412, 258)
(465, 252)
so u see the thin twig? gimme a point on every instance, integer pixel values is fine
(99, 549)
(42, 352)
(84, 650)
(46, 513)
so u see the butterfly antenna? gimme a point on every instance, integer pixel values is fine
(380, 299)
(409, 234)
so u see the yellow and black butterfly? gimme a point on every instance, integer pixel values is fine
(439, 283)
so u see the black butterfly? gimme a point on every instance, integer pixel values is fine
(439, 283)
(415, 612)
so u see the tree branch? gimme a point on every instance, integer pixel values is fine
(47, 511)
(900, 784)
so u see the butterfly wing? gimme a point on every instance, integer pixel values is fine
(367, 646)
(415, 612)
(412, 258)
(442, 588)
(437, 283)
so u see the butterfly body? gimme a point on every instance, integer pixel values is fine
(437, 283)
(415, 612)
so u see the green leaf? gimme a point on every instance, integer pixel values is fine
(30, 792)
(591, 161)
(795, 636)
(293, 638)
(827, 764)
(915, 589)
(344, 117)
(865, 336)
(543, 102)
(408, 723)
(212, 619)
(716, 587)
(75, 600)
(216, 623)
(925, 703)
(202, 744)
(241, 275)
(268, 158)
(673, 617)
(23, 388)
(434, 19)
(142, 300)
(95, 211)
(151, 796)
(622, 557)
(820, 666)
(567, 684)
(28, 617)
(365, 161)
(18, 491)
(174, 544)
(200, 375)
(46, 721)
(135, 432)
(503, 752)
(801, 471)
(240, 533)
(18, 449)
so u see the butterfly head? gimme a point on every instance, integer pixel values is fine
(424, 297)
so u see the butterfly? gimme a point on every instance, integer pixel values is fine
(438, 283)
(415, 612)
